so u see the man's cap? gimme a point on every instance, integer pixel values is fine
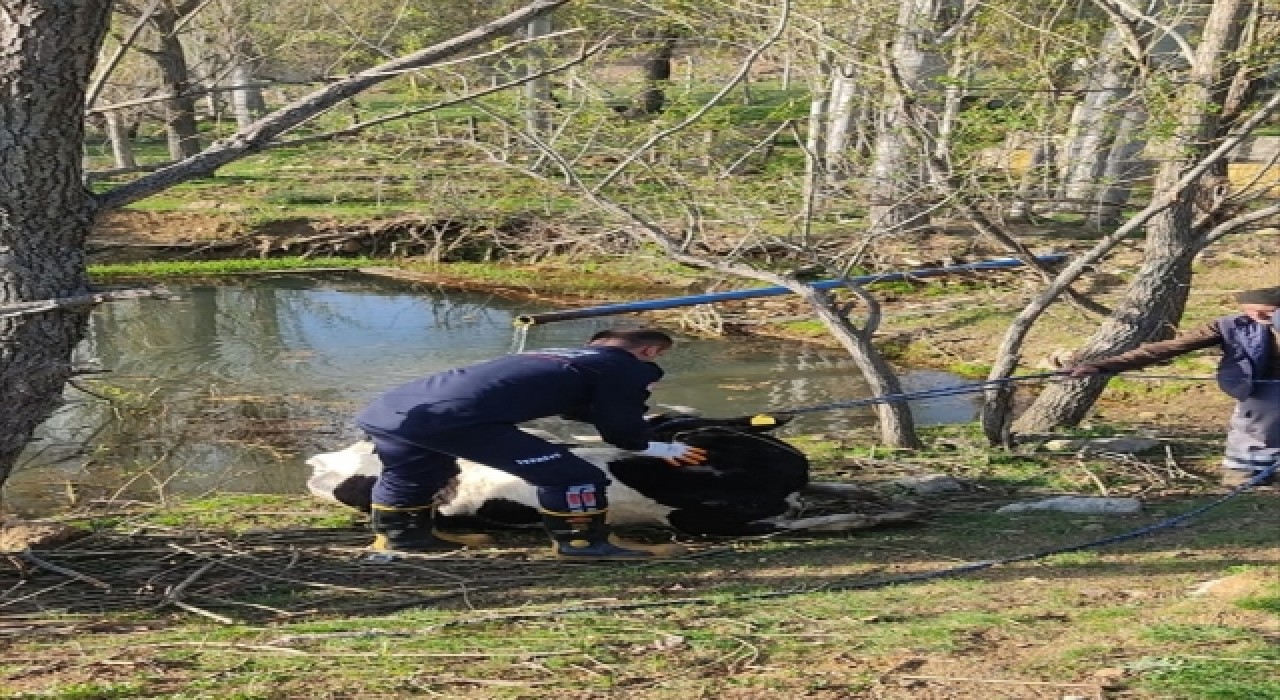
(1267, 297)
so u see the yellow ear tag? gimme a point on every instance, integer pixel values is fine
(763, 419)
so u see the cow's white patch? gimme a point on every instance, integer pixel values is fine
(330, 469)
(478, 484)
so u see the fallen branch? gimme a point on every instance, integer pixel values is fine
(174, 593)
(201, 611)
(27, 555)
(996, 681)
(273, 649)
(26, 308)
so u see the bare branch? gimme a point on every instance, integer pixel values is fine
(188, 16)
(1128, 33)
(1234, 224)
(257, 135)
(151, 99)
(733, 167)
(96, 88)
(26, 308)
(1187, 52)
(356, 128)
(960, 23)
(783, 17)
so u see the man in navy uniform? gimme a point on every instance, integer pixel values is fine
(420, 428)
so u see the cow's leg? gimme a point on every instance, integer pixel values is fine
(402, 511)
(572, 492)
(727, 522)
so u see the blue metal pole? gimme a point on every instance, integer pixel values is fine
(691, 300)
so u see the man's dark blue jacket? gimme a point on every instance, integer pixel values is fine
(603, 385)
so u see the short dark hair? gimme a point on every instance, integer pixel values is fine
(635, 337)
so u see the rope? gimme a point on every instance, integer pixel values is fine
(974, 388)
(938, 392)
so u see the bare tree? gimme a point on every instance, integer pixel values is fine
(897, 171)
(45, 209)
(169, 55)
(1190, 209)
(896, 424)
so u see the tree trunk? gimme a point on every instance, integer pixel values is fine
(121, 144)
(45, 211)
(246, 98)
(537, 92)
(1124, 167)
(1037, 181)
(180, 110)
(816, 146)
(1154, 302)
(841, 109)
(1033, 184)
(1095, 130)
(657, 74)
(897, 173)
(897, 426)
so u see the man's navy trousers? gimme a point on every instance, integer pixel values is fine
(412, 472)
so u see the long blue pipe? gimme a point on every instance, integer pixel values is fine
(691, 300)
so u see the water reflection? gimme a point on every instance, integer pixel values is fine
(232, 385)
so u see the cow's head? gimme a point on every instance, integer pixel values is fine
(737, 444)
(749, 474)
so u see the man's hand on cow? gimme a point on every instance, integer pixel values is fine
(676, 453)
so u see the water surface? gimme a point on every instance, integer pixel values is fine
(231, 386)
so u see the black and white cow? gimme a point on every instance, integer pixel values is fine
(751, 484)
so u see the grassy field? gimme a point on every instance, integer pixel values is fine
(271, 597)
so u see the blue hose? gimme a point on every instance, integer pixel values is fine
(1258, 479)
(694, 299)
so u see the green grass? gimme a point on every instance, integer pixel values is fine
(1051, 620)
(239, 512)
(1248, 674)
(200, 268)
(90, 690)
(1265, 603)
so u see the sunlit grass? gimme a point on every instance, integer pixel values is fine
(196, 268)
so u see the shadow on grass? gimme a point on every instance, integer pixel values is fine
(319, 573)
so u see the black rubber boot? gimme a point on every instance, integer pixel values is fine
(585, 536)
(409, 530)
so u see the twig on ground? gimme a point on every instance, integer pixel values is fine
(71, 573)
(274, 649)
(997, 681)
(174, 593)
(201, 611)
(1102, 488)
